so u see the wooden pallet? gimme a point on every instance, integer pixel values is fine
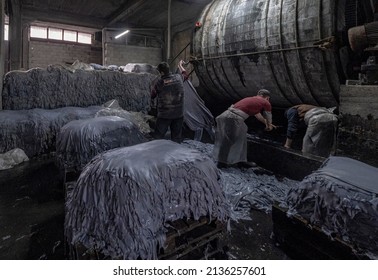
(186, 239)
(70, 174)
(190, 238)
(300, 240)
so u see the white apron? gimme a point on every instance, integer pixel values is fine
(230, 145)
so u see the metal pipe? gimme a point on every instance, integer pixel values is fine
(255, 53)
(15, 35)
(2, 53)
(169, 31)
(180, 52)
(103, 46)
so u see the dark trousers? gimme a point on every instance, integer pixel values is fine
(292, 122)
(174, 124)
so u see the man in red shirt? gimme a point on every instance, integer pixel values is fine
(230, 145)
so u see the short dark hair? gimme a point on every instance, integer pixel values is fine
(263, 93)
(163, 67)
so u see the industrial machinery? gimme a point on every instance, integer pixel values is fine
(365, 38)
(321, 52)
(299, 50)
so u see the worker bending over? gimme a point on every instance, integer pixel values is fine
(230, 145)
(321, 128)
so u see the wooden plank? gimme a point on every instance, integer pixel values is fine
(193, 236)
(177, 228)
(191, 247)
(181, 226)
(193, 239)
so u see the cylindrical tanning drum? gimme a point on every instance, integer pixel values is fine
(298, 50)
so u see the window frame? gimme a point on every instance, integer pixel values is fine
(62, 40)
(41, 38)
(48, 34)
(6, 32)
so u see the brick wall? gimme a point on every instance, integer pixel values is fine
(42, 54)
(117, 54)
(358, 126)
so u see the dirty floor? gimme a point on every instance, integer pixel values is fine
(32, 217)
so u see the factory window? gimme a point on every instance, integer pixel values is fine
(84, 38)
(51, 33)
(38, 32)
(6, 32)
(69, 35)
(55, 33)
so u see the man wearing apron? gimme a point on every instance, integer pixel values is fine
(230, 145)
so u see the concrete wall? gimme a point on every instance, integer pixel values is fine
(133, 47)
(42, 53)
(358, 126)
(179, 41)
(117, 54)
(6, 58)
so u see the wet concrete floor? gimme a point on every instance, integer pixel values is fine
(32, 218)
(31, 211)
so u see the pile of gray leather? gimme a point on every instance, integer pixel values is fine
(247, 189)
(79, 141)
(342, 199)
(34, 131)
(56, 87)
(124, 198)
(140, 68)
(196, 115)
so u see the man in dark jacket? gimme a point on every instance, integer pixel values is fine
(169, 92)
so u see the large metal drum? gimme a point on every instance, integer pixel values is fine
(294, 48)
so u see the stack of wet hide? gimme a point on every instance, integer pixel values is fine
(124, 198)
(112, 108)
(196, 115)
(342, 199)
(140, 68)
(56, 87)
(81, 140)
(34, 131)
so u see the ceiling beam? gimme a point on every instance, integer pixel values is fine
(124, 10)
(62, 17)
